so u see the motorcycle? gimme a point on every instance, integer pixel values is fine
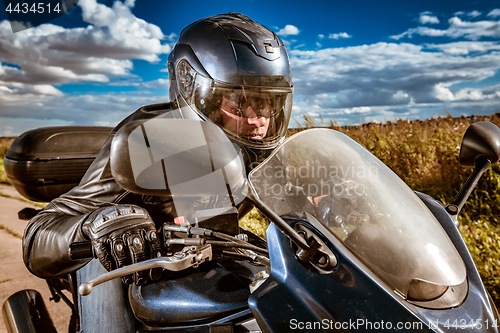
(349, 247)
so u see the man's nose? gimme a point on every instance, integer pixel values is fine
(254, 121)
(251, 116)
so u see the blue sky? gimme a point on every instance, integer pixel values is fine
(352, 61)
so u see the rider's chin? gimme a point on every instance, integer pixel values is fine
(254, 136)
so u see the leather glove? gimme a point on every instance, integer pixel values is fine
(122, 235)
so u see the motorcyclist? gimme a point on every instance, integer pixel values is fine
(227, 69)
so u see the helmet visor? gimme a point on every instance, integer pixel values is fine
(255, 115)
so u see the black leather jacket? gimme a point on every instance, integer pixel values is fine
(49, 234)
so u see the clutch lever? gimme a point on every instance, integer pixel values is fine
(190, 256)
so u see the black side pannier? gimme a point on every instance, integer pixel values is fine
(46, 162)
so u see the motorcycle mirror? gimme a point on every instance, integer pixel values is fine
(181, 158)
(176, 158)
(480, 149)
(482, 139)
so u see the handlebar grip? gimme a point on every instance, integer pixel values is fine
(81, 250)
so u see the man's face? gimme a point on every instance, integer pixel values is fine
(245, 115)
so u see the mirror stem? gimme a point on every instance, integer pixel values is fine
(283, 226)
(482, 164)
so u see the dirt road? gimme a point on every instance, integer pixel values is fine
(13, 274)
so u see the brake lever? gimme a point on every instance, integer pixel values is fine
(178, 262)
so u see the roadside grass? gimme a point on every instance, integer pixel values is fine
(254, 223)
(4, 145)
(3, 177)
(10, 231)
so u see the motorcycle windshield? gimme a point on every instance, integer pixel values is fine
(365, 205)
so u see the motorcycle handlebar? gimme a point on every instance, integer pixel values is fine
(81, 250)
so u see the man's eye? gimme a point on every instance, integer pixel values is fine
(236, 111)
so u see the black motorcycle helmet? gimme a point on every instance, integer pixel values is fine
(235, 72)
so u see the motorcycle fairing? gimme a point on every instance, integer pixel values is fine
(478, 305)
(354, 295)
(295, 294)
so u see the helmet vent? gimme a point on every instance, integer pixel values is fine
(269, 48)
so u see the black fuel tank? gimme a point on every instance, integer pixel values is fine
(208, 292)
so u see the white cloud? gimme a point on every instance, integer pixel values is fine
(465, 48)
(457, 29)
(50, 55)
(471, 94)
(321, 36)
(339, 35)
(384, 81)
(443, 93)
(44, 89)
(157, 84)
(388, 74)
(10, 126)
(400, 95)
(474, 13)
(123, 30)
(89, 109)
(494, 13)
(172, 37)
(426, 18)
(357, 110)
(288, 30)
(466, 94)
